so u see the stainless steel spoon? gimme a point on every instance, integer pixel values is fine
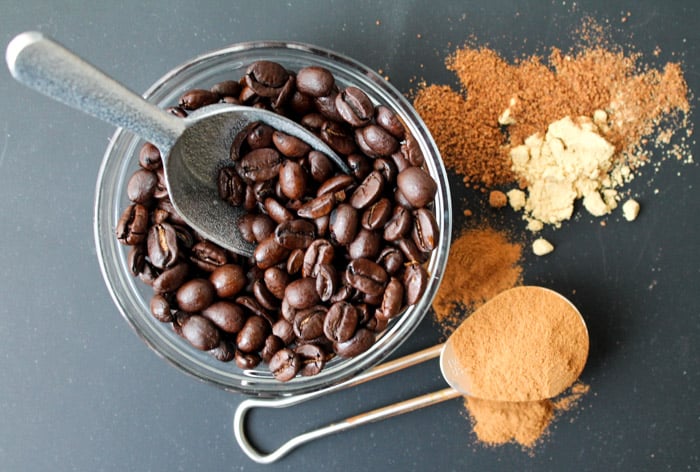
(461, 382)
(193, 148)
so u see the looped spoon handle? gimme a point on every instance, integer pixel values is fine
(239, 419)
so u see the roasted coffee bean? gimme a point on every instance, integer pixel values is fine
(185, 238)
(208, 256)
(338, 137)
(228, 280)
(251, 337)
(373, 299)
(326, 106)
(295, 234)
(224, 352)
(200, 332)
(392, 300)
(227, 316)
(231, 186)
(271, 346)
(171, 279)
(259, 136)
(388, 120)
(417, 186)
(290, 146)
(227, 88)
(173, 216)
(354, 106)
(312, 358)
(264, 297)
(341, 322)
(308, 323)
(321, 205)
(195, 295)
(292, 180)
(177, 111)
(327, 281)
(366, 244)
(388, 170)
(360, 166)
(320, 166)
(401, 200)
(302, 293)
(198, 98)
(312, 121)
(287, 311)
(295, 261)
(269, 253)
(251, 305)
(369, 191)
(277, 211)
(263, 226)
(362, 340)
(161, 190)
(415, 280)
(149, 157)
(246, 360)
(133, 225)
(322, 223)
(378, 322)
(260, 164)
(136, 259)
(410, 251)
(320, 251)
(286, 92)
(392, 259)
(141, 186)
(366, 276)
(344, 293)
(315, 81)
(425, 230)
(400, 161)
(343, 224)
(160, 308)
(284, 330)
(163, 251)
(266, 78)
(362, 144)
(338, 183)
(411, 149)
(276, 280)
(379, 140)
(285, 364)
(399, 224)
(377, 214)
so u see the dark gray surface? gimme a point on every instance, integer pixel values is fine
(80, 391)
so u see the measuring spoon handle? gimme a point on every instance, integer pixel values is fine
(44, 65)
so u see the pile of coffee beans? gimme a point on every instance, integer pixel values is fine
(337, 255)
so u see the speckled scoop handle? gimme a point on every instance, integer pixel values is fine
(44, 65)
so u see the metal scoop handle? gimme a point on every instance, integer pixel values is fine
(44, 65)
(239, 419)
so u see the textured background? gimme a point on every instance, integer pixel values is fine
(80, 391)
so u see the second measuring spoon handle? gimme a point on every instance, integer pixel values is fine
(44, 65)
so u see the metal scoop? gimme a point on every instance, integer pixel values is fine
(193, 148)
(461, 381)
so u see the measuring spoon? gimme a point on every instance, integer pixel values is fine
(462, 367)
(193, 148)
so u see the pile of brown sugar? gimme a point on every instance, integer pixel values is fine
(501, 103)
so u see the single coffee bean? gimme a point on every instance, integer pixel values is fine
(362, 340)
(224, 352)
(326, 281)
(379, 140)
(354, 106)
(269, 253)
(320, 166)
(276, 280)
(425, 230)
(287, 311)
(290, 146)
(319, 252)
(295, 234)
(410, 251)
(415, 280)
(160, 308)
(198, 98)
(322, 223)
(200, 332)
(417, 186)
(301, 293)
(338, 183)
(228, 280)
(133, 225)
(264, 297)
(412, 151)
(252, 306)
(271, 346)
(170, 279)
(177, 111)
(312, 358)
(195, 295)
(149, 157)
(260, 164)
(399, 224)
(312, 121)
(285, 364)
(343, 224)
(227, 316)
(326, 106)
(231, 186)
(251, 337)
(321, 205)
(141, 186)
(259, 136)
(369, 191)
(388, 169)
(292, 180)
(360, 166)
(341, 322)
(338, 137)
(377, 214)
(388, 120)
(366, 244)
(392, 300)
(208, 256)
(136, 259)
(246, 360)
(295, 261)
(400, 161)
(315, 81)
(308, 323)
(227, 88)
(163, 250)
(277, 212)
(262, 226)
(392, 259)
(366, 276)
(284, 330)
(266, 78)
(344, 293)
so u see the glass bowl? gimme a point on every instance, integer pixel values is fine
(132, 297)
